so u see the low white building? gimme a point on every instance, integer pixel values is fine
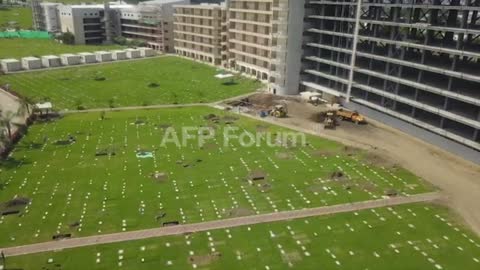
(103, 56)
(87, 58)
(11, 65)
(51, 61)
(69, 59)
(31, 62)
(119, 55)
(133, 53)
(147, 52)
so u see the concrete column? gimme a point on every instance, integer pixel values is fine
(476, 135)
(446, 104)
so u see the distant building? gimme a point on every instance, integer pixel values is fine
(201, 32)
(46, 16)
(90, 24)
(151, 21)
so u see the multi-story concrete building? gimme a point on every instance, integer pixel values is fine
(151, 21)
(91, 24)
(201, 32)
(265, 41)
(415, 64)
(45, 16)
(250, 27)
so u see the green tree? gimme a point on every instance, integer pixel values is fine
(25, 104)
(67, 38)
(6, 119)
(111, 103)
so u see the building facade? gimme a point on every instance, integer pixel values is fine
(151, 21)
(250, 27)
(200, 32)
(414, 63)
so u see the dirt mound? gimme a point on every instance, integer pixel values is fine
(284, 155)
(378, 160)
(257, 175)
(19, 201)
(211, 117)
(266, 187)
(164, 126)
(318, 117)
(391, 193)
(159, 176)
(338, 176)
(266, 100)
(351, 151)
(230, 118)
(204, 260)
(323, 153)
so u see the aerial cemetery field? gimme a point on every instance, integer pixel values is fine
(96, 173)
(416, 236)
(163, 80)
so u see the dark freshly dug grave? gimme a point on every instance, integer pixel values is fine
(61, 236)
(257, 175)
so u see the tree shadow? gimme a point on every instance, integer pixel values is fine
(12, 163)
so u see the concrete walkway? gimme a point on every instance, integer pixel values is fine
(215, 104)
(214, 225)
(132, 108)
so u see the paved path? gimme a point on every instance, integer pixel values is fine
(131, 108)
(217, 224)
(161, 106)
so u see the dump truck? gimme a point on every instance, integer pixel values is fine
(347, 115)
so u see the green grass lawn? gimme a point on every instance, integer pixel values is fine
(415, 236)
(128, 84)
(15, 18)
(17, 48)
(69, 184)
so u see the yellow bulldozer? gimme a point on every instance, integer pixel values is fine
(279, 111)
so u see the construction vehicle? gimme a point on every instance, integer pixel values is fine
(347, 115)
(315, 100)
(312, 97)
(279, 111)
(330, 121)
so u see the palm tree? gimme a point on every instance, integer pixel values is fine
(6, 122)
(26, 103)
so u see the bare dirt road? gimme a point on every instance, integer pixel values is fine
(218, 224)
(458, 179)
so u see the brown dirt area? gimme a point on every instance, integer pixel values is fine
(457, 178)
(204, 260)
